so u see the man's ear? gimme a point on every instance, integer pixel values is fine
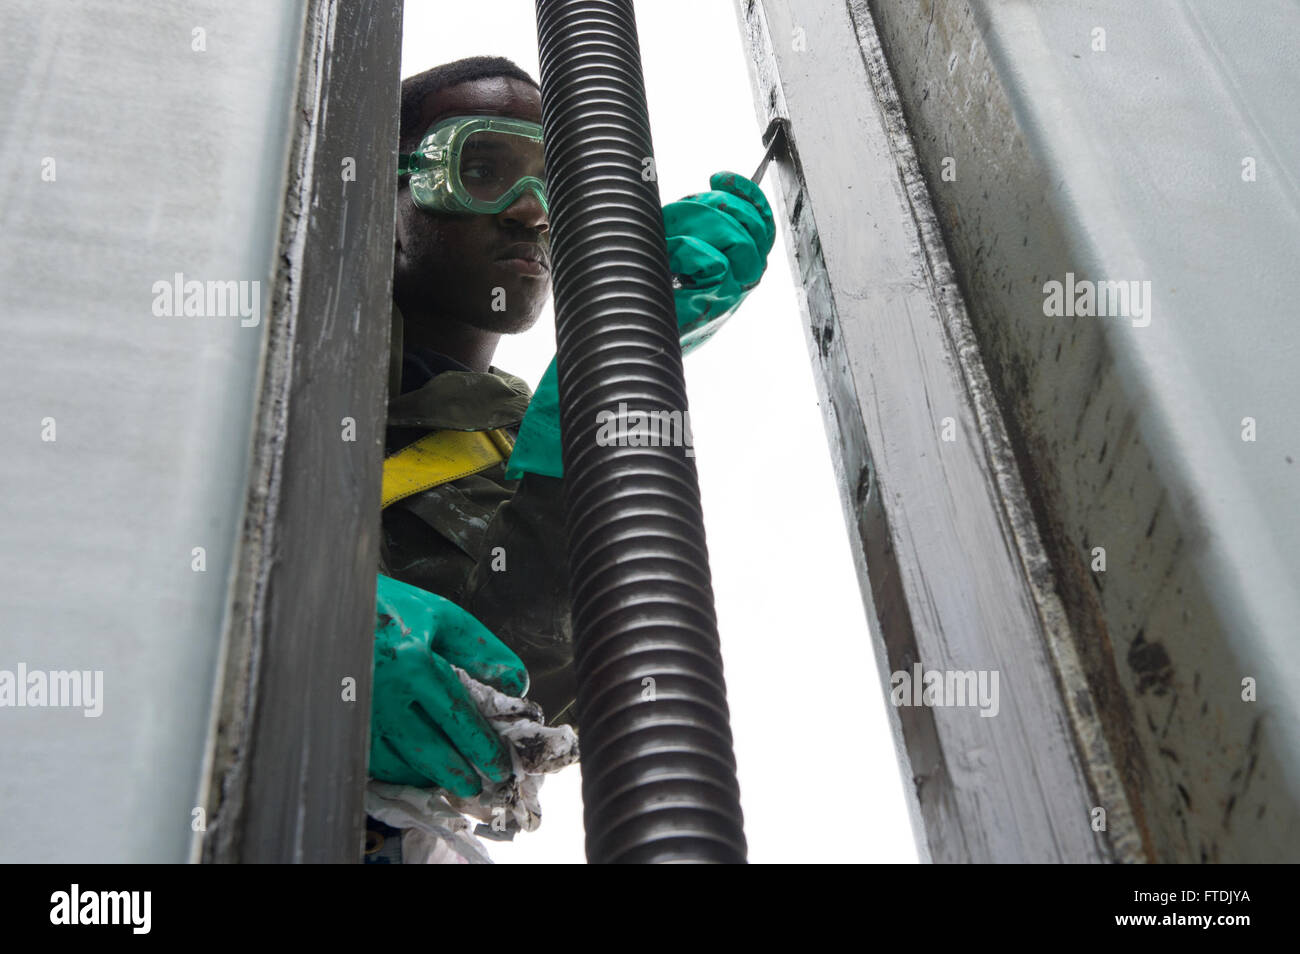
(397, 241)
(397, 217)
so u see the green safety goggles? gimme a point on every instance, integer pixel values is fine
(470, 165)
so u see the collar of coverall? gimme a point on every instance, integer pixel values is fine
(454, 400)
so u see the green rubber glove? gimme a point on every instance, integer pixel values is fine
(425, 730)
(718, 243)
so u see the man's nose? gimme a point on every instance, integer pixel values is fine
(526, 211)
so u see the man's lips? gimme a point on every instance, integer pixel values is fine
(527, 258)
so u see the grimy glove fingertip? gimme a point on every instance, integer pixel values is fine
(742, 186)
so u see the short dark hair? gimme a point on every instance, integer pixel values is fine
(416, 88)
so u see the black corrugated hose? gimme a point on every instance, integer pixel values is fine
(658, 772)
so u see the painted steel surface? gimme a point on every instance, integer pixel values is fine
(167, 159)
(1153, 143)
(954, 574)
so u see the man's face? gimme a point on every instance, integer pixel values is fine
(467, 267)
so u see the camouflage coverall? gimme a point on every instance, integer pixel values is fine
(494, 547)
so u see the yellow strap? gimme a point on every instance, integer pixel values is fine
(441, 457)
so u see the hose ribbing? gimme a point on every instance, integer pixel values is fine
(658, 773)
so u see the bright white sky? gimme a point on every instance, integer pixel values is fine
(819, 778)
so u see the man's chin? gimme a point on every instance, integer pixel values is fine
(512, 306)
(504, 324)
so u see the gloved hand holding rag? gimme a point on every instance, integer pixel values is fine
(450, 734)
